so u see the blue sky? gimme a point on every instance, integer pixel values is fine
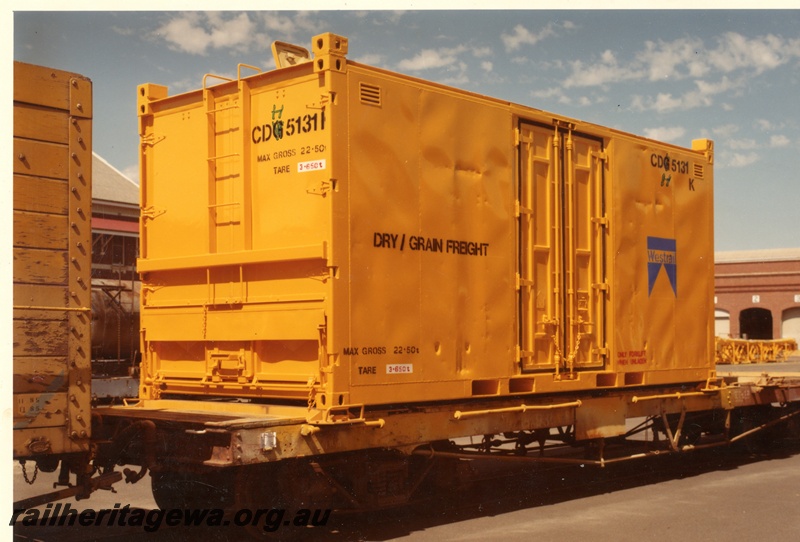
(733, 76)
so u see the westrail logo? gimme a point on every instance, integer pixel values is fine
(662, 253)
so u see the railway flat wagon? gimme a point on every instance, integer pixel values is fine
(345, 270)
(52, 176)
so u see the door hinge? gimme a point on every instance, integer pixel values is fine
(152, 212)
(600, 155)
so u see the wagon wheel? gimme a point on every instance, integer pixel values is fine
(175, 489)
(273, 495)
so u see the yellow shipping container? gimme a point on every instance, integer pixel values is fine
(336, 233)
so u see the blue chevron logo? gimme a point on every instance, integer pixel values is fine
(662, 253)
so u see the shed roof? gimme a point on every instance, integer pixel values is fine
(763, 255)
(110, 184)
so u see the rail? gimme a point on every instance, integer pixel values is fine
(460, 415)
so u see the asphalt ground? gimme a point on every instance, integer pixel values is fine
(721, 494)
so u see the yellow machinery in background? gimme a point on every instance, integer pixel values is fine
(739, 351)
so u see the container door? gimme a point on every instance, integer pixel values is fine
(561, 232)
(540, 277)
(584, 233)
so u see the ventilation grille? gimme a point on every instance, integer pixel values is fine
(699, 171)
(370, 94)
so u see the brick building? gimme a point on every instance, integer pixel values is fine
(757, 294)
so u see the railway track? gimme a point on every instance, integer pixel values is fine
(501, 491)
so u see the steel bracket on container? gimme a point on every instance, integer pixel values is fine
(146, 94)
(152, 213)
(324, 100)
(321, 188)
(337, 63)
(151, 140)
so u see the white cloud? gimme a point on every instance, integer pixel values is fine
(432, 58)
(736, 52)
(450, 59)
(278, 23)
(742, 144)
(665, 133)
(372, 59)
(482, 52)
(608, 70)
(708, 89)
(459, 77)
(382, 18)
(195, 32)
(184, 34)
(741, 160)
(548, 93)
(123, 31)
(779, 141)
(297, 27)
(676, 59)
(702, 96)
(230, 33)
(662, 102)
(726, 130)
(764, 124)
(666, 102)
(687, 58)
(768, 126)
(523, 36)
